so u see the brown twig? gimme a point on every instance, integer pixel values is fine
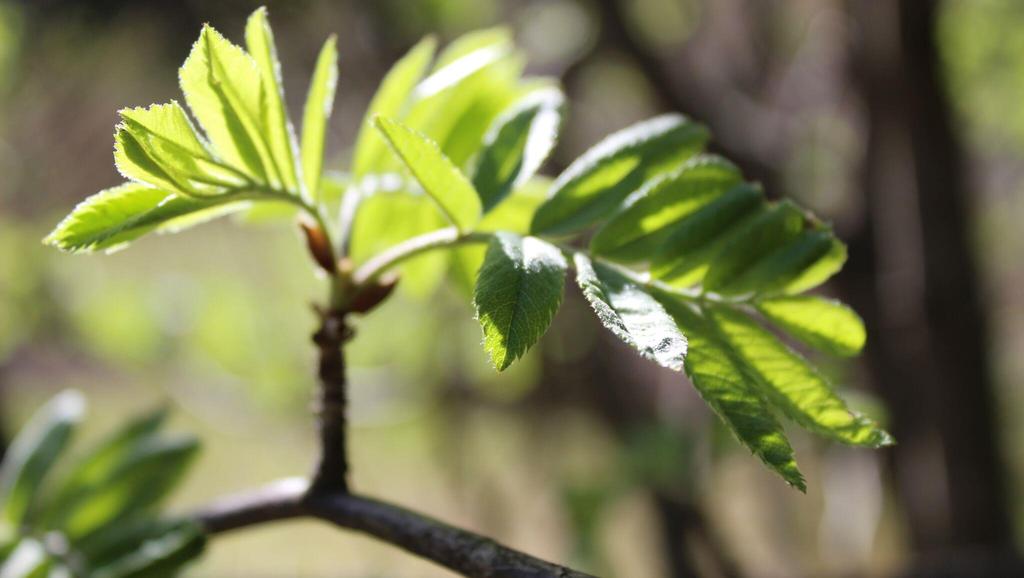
(460, 550)
(332, 471)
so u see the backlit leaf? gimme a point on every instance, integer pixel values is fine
(112, 218)
(791, 384)
(637, 231)
(319, 103)
(596, 183)
(223, 87)
(684, 257)
(754, 241)
(279, 134)
(822, 323)
(437, 175)
(721, 381)
(517, 144)
(390, 101)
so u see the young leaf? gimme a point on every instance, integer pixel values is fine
(390, 101)
(597, 182)
(319, 102)
(113, 217)
(436, 174)
(791, 384)
(722, 383)
(636, 232)
(631, 313)
(224, 89)
(518, 292)
(822, 323)
(517, 144)
(279, 134)
(33, 452)
(759, 238)
(159, 146)
(458, 118)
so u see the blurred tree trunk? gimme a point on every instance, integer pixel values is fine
(929, 359)
(912, 272)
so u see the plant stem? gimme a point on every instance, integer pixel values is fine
(332, 471)
(409, 248)
(460, 550)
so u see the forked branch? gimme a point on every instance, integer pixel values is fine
(327, 496)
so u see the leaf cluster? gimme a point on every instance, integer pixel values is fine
(97, 513)
(677, 255)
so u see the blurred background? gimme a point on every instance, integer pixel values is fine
(900, 121)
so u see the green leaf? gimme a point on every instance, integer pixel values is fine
(791, 384)
(769, 231)
(319, 103)
(28, 560)
(517, 144)
(518, 292)
(684, 258)
(720, 380)
(458, 117)
(135, 487)
(639, 229)
(597, 182)
(390, 100)
(779, 269)
(279, 134)
(159, 557)
(33, 452)
(112, 218)
(632, 314)
(437, 175)
(97, 466)
(822, 323)
(224, 89)
(512, 216)
(820, 270)
(473, 41)
(159, 146)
